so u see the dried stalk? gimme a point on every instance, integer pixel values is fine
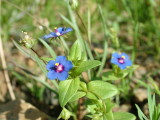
(5, 71)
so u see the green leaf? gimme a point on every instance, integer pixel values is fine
(91, 96)
(83, 86)
(109, 76)
(109, 105)
(108, 115)
(75, 51)
(102, 89)
(140, 114)
(67, 89)
(128, 70)
(78, 95)
(151, 103)
(46, 59)
(86, 65)
(123, 116)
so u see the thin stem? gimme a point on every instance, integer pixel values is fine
(82, 22)
(37, 55)
(4, 66)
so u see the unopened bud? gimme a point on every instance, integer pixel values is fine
(73, 4)
(27, 40)
(114, 38)
(65, 114)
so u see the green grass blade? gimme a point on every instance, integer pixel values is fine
(151, 104)
(44, 83)
(103, 58)
(31, 54)
(67, 20)
(80, 38)
(25, 51)
(41, 64)
(89, 26)
(64, 44)
(50, 50)
(135, 42)
(106, 32)
(140, 114)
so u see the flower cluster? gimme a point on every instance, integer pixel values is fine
(58, 32)
(122, 60)
(59, 68)
(27, 40)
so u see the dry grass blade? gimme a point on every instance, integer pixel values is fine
(4, 66)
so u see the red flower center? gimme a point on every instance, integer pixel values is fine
(121, 60)
(58, 67)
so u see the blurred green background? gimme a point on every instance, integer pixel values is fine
(136, 24)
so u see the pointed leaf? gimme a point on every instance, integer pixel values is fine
(78, 95)
(86, 65)
(67, 90)
(123, 116)
(102, 89)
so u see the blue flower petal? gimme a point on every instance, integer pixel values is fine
(68, 30)
(60, 29)
(126, 56)
(51, 35)
(68, 66)
(61, 59)
(122, 66)
(48, 36)
(52, 75)
(114, 61)
(115, 55)
(128, 62)
(54, 34)
(63, 75)
(50, 65)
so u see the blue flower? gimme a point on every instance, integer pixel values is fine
(58, 32)
(122, 60)
(59, 68)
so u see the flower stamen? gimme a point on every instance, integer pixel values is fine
(56, 64)
(123, 57)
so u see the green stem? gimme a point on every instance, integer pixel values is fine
(86, 44)
(82, 22)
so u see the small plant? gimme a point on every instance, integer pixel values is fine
(154, 110)
(96, 94)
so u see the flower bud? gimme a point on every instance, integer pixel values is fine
(114, 38)
(73, 4)
(65, 114)
(27, 40)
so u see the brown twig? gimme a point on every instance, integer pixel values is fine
(4, 66)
